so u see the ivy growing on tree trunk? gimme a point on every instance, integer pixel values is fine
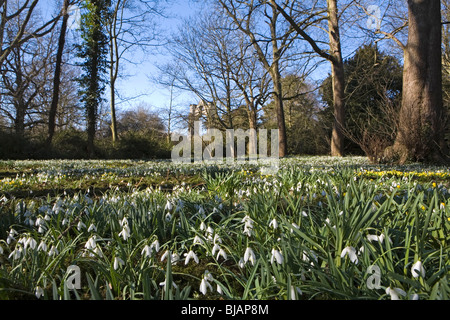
(93, 55)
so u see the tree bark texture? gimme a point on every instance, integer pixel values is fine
(338, 76)
(420, 134)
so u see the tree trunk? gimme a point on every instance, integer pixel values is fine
(253, 143)
(19, 122)
(57, 76)
(420, 134)
(282, 143)
(337, 69)
(113, 69)
(278, 91)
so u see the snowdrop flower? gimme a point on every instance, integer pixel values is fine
(118, 262)
(65, 221)
(92, 227)
(147, 251)
(126, 232)
(373, 237)
(11, 235)
(221, 253)
(380, 238)
(202, 226)
(1, 250)
(16, 253)
(198, 240)
(29, 222)
(241, 263)
(249, 255)
(42, 246)
(273, 224)
(38, 292)
(351, 252)
(247, 231)
(165, 255)
(30, 242)
(215, 248)
(57, 207)
(209, 232)
(204, 284)
(81, 225)
(418, 270)
(53, 251)
(217, 239)
(296, 226)
(91, 243)
(248, 221)
(219, 289)
(306, 255)
(168, 206)
(40, 223)
(124, 221)
(98, 252)
(294, 291)
(395, 293)
(163, 284)
(155, 245)
(248, 225)
(168, 217)
(276, 255)
(189, 256)
(414, 296)
(174, 258)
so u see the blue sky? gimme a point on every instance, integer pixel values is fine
(137, 83)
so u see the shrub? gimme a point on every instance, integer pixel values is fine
(70, 144)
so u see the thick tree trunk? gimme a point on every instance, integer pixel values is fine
(19, 122)
(57, 76)
(420, 134)
(337, 68)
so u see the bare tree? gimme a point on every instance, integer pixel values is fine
(131, 25)
(24, 79)
(218, 63)
(270, 45)
(57, 76)
(300, 22)
(9, 12)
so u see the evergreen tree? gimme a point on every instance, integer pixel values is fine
(93, 54)
(373, 89)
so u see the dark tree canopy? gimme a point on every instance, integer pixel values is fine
(373, 89)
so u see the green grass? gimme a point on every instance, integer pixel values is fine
(299, 223)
